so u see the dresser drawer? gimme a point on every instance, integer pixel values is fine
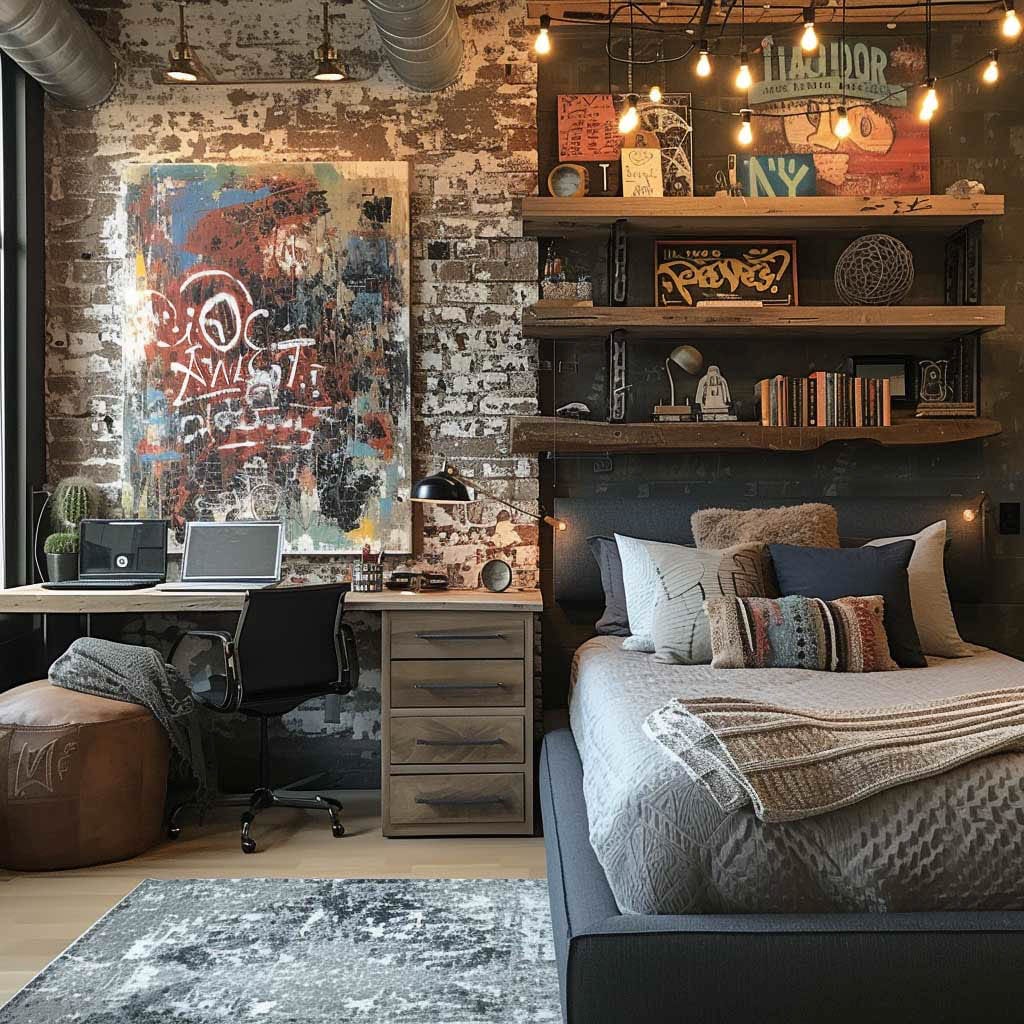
(463, 634)
(456, 799)
(454, 684)
(457, 739)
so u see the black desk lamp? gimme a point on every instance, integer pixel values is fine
(450, 488)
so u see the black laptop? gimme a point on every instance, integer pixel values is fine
(119, 554)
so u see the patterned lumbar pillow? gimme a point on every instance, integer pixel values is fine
(845, 635)
(685, 579)
(814, 525)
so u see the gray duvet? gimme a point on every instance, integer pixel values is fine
(952, 842)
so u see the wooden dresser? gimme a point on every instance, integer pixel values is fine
(457, 714)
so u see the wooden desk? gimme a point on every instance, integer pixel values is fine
(456, 696)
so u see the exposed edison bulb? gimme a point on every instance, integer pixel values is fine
(1011, 23)
(744, 80)
(970, 514)
(809, 39)
(704, 60)
(745, 136)
(542, 44)
(630, 118)
(655, 94)
(930, 102)
(991, 72)
(842, 125)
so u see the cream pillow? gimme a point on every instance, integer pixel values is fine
(929, 598)
(640, 582)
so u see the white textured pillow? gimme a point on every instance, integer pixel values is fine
(640, 581)
(929, 598)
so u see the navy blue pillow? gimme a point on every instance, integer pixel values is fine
(831, 573)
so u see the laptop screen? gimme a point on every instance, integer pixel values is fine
(130, 548)
(232, 551)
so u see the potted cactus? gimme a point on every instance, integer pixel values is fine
(75, 499)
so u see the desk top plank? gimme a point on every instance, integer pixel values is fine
(36, 600)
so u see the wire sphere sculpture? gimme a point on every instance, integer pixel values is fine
(875, 270)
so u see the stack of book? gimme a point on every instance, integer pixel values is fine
(825, 400)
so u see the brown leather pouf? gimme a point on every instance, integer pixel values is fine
(86, 778)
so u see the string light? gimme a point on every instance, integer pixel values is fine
(744, 80)
(745, 136)
(542, 44)
(842, 125)
(704, 60)
(655, 95)
(930, 103)
(1011, 23)
(630, 118)
(809, 40)
(991, 73)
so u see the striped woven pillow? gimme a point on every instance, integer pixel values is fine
(845, 635)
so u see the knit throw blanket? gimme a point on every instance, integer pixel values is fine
(138, 675)
(792, 763)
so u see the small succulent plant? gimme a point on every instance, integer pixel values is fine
(61, 544)
(76, 498)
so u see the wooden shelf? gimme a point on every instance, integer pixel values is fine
(899, 323)
(532, 434)
(695, 215)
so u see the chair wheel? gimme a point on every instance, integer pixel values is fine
(248, 845)
(337, 830)
(173, 831)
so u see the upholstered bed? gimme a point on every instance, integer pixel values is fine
(667, 909)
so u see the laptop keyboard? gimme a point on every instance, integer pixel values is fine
(100, 585)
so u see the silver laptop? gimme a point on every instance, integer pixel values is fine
(230, 556)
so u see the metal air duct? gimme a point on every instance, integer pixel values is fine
(421, 38)
(51, 42)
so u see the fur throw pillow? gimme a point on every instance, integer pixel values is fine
(813, 525)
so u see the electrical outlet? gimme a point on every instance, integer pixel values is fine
(1009, 517)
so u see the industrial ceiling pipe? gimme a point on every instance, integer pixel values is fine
(422, 40)
(52, 43)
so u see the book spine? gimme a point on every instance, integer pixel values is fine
(886, 403)
(766, 412)
(812, 401)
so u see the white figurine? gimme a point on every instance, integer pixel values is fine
(713, 396)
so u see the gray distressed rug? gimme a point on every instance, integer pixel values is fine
(307, 951)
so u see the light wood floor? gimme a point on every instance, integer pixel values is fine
(41, 914)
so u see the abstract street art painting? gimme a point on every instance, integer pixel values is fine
(887, 150)
(266, 349)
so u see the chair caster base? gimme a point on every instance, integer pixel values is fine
(248, 845)
(173, 831)
(337, 830)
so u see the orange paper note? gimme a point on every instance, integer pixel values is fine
(588, 127)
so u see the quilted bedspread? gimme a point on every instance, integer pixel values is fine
(951, 842)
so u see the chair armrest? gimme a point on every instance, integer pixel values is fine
(232, 693)
(348, 657)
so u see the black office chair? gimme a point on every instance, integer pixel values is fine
(290, 645)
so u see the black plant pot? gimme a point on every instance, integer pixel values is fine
(62, 567)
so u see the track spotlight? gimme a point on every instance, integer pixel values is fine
(328, 67)
(542, 44)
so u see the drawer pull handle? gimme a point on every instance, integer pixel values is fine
(460, 636)
(459, 743)
(458, 686)
(457, 801)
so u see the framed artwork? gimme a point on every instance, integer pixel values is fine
(691, 271)
(887, 152)
(671, 121)
(900, 371)
(266, 349)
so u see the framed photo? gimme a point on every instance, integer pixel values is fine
(901, 372)
(688, 272)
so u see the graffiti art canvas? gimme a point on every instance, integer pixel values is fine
(887, 150)
(266, 349)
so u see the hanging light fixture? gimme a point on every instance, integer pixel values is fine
(183, 66)
(991, 73)
(745, 136)
(704, 60)
(744, 80)
(630, 118)
(655, 95)
(809, 39)
(1011, 23)
(328, 67)
(842, 125)
(542, 44)
(930, 102)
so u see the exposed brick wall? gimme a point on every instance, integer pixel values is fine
(472, 149)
